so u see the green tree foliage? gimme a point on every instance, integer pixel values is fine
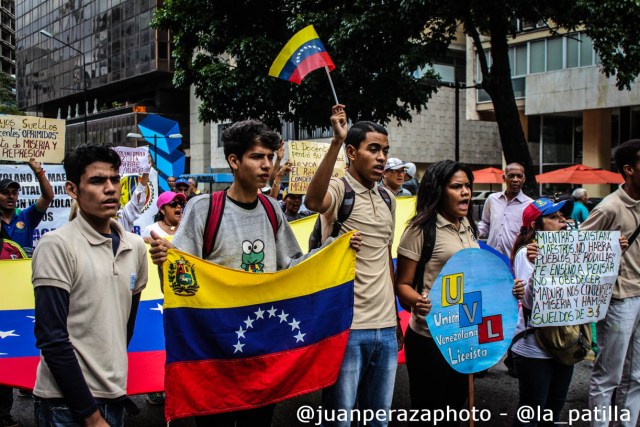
(225, 49)
(7, 95)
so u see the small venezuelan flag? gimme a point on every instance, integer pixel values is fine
(300, 56)
(237, 340)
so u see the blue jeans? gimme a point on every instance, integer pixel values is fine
(51, 413)
(367, 375)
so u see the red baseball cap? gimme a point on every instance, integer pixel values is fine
(544, 207)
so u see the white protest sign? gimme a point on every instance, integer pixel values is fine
(134, 160)
(573, 277)
(25, 137)
(58, 212)
(305, 157)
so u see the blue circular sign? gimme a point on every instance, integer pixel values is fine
(474, 313)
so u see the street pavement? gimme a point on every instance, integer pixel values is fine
(496, 392)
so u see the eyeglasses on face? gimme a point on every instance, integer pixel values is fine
(398, 171)
(176, 203)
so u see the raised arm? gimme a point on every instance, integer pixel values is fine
(46, 192)
(317, 198)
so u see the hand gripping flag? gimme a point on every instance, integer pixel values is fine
(238, 340)
(300, 56)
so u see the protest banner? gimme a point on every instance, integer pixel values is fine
(305, 157)
(474, 313)
(573, 277)
(134, 160)
(58, 212)
(26, 137)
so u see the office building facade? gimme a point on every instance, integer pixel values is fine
(97, 61)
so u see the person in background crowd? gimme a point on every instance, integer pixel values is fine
(171, 182)
(182, 186)
(170, 206)
(580, 211)
(617, 366)
(132, 210)
(20, 225)
(410, 179)
(543, 382)
(394, 173)
(193, 188)
(86, 302)
(368, 370)
(502, 211)
(291, 205)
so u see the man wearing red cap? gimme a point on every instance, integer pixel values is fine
(20, 225)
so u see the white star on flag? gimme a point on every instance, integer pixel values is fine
(158, 307)
(259, 314)
(294, 324)
(241, 332)
(283, 316)
(299, 337)
(272, 312)
(33, 318)
(4, 334)
(238, 347)
(249, 322)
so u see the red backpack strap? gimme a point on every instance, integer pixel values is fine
(216, 207)
(271, 212)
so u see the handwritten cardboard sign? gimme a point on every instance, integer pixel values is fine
(306, 157)
(134, 160)
(474, 313)
(26, 137)
(574, 276)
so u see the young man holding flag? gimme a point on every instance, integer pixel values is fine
(245, 232)
(367, 375)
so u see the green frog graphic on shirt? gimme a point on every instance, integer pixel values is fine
(252, 256)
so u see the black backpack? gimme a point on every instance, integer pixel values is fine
(315, 238)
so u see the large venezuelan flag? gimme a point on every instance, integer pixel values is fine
(300, 56)
(19, 356)
(238, 340)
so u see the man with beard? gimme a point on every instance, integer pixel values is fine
(502, 213)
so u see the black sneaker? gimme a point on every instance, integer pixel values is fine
(7, 421)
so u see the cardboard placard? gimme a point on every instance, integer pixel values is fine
(26, 137)
(573, 276)
(305, 157)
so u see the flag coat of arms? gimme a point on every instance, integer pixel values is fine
(237, 340)
(300, 56)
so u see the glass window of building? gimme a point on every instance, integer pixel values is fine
(554, 54)
(573, 49)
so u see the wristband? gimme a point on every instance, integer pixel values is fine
(40, 172)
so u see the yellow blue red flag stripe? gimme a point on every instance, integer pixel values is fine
(238, 340)
(300, 56)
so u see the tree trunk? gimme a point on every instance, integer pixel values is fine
(498, 86)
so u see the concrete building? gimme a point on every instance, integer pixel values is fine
(571, 113)
(104, 66)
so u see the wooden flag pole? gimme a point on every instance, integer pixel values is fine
(333, 89)
(471, 400)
